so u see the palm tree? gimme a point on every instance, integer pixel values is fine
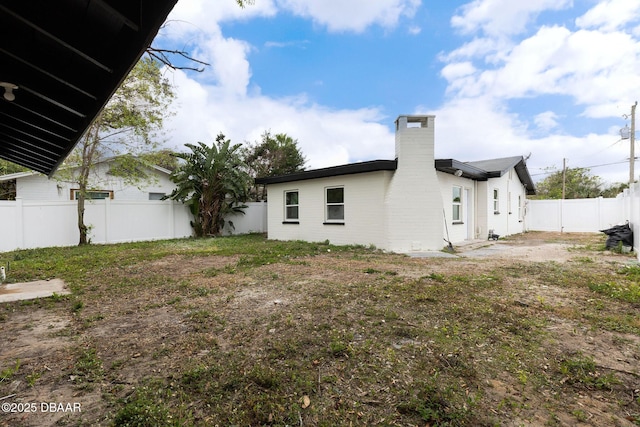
(213, 182)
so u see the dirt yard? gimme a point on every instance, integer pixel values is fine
(537, 348)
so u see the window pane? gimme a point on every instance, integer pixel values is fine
(292, 212)
(335, 212)
(457, 194)
(93, 195)
(335, 195)
(292, 198)
(456, 212)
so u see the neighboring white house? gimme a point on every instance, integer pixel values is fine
(412, 203)
(103, 184)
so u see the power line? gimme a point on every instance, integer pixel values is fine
(584, 167)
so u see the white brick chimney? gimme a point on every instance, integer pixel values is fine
(413, 206)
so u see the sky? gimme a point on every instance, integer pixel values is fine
(548, 79)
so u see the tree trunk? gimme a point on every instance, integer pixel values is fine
(81, 227)
(89, 147)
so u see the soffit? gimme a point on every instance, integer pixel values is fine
(67, 58)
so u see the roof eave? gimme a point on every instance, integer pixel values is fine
(348, 169)
(452, 166)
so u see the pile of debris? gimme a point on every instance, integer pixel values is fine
(620, 238)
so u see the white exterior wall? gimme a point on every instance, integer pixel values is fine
(414, 202)
(483, 204)
(363, 210)
(464, 230)
(510, 220)
(39, 187)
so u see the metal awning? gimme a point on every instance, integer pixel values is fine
(60, 62)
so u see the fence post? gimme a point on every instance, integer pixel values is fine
(107, 219)
(560, 214)
(19, 223)
(265, 218)
(599, 211)
(172, 221)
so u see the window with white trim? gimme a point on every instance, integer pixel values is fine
(456, 204)
(496, 201)
(92, 194)
(520, 207)
(334, 211)
(291, 206)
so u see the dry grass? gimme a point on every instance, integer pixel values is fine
(243, 331)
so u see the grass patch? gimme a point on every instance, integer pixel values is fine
(150, 405)
(246, 331)
(87, 368)
(581, 370)
(7, 373)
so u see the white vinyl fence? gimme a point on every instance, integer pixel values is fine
(575, 215)
(35, 224)
(586, 215)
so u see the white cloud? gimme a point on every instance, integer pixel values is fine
(502, 17)
(610, 15)
(594, 66)
(353, 15)
(469, 129)
(586, 65)
(327, 137)
(546, 121)
(222, 100)
(300, 44)
(195, 16)
(457, 70)
(227, 57)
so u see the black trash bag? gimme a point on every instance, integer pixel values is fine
(617, 234)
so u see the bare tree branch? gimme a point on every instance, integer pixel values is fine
(162, 55)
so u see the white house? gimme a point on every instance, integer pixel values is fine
(103, 184)
(412, 203)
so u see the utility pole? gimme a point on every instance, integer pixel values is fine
(632, 140)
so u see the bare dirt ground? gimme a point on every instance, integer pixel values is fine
(134, 335)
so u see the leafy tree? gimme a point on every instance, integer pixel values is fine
(129, 123)
(213, 182)
(274, 155)
(163, 158)
(8, 188)
(614, 189)
(7, 167)
(578, 183)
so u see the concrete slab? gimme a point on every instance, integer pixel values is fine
(32, 290)
(487, 251)
(431, 254)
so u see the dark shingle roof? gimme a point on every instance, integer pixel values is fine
(491, 168)
(349, 169)
(479, 171)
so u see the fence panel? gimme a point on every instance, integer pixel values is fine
(576, 215)
(35, 224)
(254, 220)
